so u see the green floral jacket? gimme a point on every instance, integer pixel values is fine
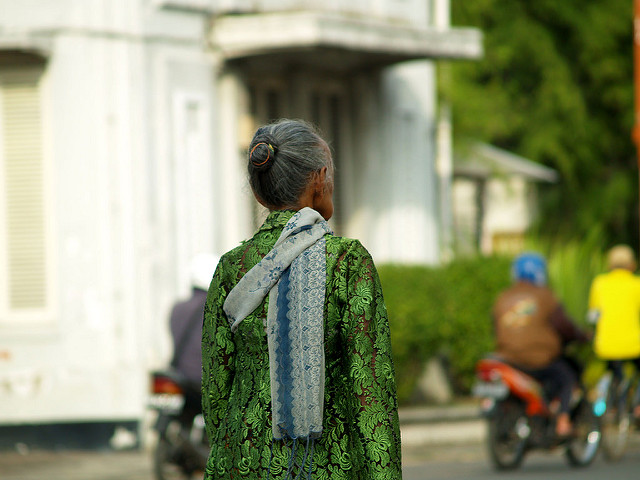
(361, 437)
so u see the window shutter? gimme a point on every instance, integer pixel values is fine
(21, 139)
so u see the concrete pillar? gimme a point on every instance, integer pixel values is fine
(442, 14)
(408, 222)
(444, 168)
(237, 199)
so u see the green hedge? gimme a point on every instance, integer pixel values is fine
(447, 310)
(572, 266)
(441, 311)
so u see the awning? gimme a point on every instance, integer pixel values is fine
(336, 40)
(485, 160)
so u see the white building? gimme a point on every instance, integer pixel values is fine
(123, 128)
(495, 198)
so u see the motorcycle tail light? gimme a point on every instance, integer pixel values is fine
(486, 375)
(165, 385)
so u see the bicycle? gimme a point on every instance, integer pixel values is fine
(617, 393)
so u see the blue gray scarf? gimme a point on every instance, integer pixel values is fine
(293, 274)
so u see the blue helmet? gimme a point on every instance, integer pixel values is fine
(529, 267)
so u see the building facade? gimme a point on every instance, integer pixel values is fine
(495, 199)
(123, 131)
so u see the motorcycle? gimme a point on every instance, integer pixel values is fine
(521, 418)
(182, 447)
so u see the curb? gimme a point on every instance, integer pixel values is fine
(455, 433)
(438, 414)
(442, 425)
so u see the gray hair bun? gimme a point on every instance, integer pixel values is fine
(262, 152)
(282, 158)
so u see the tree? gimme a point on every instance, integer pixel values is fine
(556, 86)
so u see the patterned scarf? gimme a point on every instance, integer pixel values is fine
(293, 274)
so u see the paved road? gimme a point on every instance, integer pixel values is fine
(136, 465)
(419, 436)
(75, 465)
(469, 462)
(432, 460)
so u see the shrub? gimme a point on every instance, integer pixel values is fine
(447, 310)
(441, 311)
(572, 266)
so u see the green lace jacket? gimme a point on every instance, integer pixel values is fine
(361, 437)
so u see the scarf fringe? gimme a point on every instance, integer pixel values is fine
(293, 465)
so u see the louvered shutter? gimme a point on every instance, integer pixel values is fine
(22, 162)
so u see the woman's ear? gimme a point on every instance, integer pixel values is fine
(320, 181)
(322, 189)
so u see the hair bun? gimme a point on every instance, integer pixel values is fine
(263, 154)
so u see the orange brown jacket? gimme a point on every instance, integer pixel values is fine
(531, 326)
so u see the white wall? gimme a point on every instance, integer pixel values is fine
(131, 122)
(508, 209)
(146, 132)
(416, 12)
(236, 200)
(396, 215)
(465, 210)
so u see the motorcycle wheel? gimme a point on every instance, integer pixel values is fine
(616, 425)
(171, 461)
(583, 447)
(507, 434)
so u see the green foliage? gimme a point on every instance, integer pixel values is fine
(572, 266)
(447, 310)
(556, 86)
(441, 311)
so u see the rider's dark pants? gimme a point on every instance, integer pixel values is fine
(558, 379)
(616, 367)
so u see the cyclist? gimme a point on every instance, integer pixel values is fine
(614, 306)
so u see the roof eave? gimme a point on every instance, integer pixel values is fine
(248, 36)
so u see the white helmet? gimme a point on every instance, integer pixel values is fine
(202, 268)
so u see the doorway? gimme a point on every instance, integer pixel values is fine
(324, 103)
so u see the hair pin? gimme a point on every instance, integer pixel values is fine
(269, 150)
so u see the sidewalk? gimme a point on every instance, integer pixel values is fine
(422, 430)
(447, 424)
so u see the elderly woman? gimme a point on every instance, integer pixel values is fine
(298, 380)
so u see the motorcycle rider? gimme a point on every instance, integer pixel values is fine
(614, 305)
(182, 447)
(532, 328)
(186, 323)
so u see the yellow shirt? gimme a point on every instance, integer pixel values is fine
(616, 295)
